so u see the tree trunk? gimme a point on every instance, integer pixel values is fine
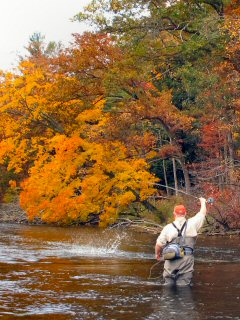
(186, 175)
(231, 158)
(164, 168)
(175, 176)
(225, 154)
(165, 177)
(145, 203)
(174, 141)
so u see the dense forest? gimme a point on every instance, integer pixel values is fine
(142, 107)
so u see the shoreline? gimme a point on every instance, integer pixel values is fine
(12, 213)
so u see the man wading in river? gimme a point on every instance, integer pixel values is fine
(176, 245)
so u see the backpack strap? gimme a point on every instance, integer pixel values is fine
(180, 235)
(180, 230)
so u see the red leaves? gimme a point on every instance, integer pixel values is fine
(213, 136)
(169, 151)
(226, 208)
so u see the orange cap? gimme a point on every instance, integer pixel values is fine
(180, 210)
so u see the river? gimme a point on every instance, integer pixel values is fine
(89, 273)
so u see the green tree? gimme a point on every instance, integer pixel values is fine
(38, 48)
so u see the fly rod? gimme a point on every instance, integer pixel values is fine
(209, 200)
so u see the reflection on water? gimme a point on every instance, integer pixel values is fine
(81, 273)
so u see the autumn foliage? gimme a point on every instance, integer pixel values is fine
(75, 173)
(81, 179)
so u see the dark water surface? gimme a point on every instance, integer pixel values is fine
(60, 273)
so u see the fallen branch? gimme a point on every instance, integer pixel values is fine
(140, 224)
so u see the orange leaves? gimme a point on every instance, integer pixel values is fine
(158, 106)
(233, 9)
(169, 151)
(144, 143)
(171, 116)
(213, 135)
(81, 178)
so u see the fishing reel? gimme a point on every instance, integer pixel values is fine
(210, 200)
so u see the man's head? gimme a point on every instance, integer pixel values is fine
(179, 211)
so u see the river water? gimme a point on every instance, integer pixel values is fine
(87, 273)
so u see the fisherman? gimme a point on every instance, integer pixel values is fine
(176, 245)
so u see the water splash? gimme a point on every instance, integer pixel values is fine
(102, 244)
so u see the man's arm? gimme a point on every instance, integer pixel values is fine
(199, 218)
(203, 209)
(160, 243)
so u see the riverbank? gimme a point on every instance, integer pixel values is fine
(12, 213)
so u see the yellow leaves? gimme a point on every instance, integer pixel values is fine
(126, 198)
(231, 25)
(12, 184)
(152, 154)
(93, 120)
(108, 217)
(17, 152)
(116, 5)
(6, 146)
(81, 178)
(99, 103)
(91, 115)
(158, 75)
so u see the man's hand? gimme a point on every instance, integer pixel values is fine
(202, 200)
(158, 257)
(203, 203)
(158, 250)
